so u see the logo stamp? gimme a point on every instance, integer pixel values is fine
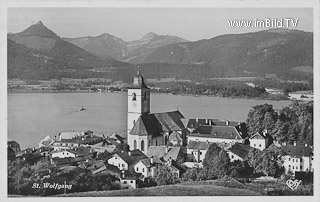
(293, 184)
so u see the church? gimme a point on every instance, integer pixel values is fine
(151, 129)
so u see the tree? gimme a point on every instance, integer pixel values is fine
(165, 176)
(261, 117)
(268, 162)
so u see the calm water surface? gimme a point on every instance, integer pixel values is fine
(32, 116)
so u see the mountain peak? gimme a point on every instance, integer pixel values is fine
(150, 35)
(39, 29)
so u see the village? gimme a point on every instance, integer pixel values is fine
(154, 141)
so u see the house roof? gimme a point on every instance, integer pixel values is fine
(297, 151)
(69, 135)
(158, 122)
(223, 132)
(160, 152)
(194, 123)
(198, 145)
(147, 162)
(240, 150)
(135, 156)
(13, 143)
(175, 136)
(81, 140)
(258, 136)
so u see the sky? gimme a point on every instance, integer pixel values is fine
(133, 23)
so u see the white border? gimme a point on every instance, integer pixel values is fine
(4, 4)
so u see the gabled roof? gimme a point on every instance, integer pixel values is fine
(131, 159)
(198, 145)
(13, 143)
(147, 162)
(240, 150)
(258, 136)
(175, 136)
(223, 132)
(160, 152)
(194, 123)
(297, 151)
(157, 123)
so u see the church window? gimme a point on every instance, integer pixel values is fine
(156, 143)
(135, 144)
(145, 96)
(134, 97)
(142, 145)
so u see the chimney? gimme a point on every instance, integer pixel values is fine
(265, 132)
(151, 160)
(169, 161)
(227, 122)
(129, 153)
(197, 119)
(306, 145)
(206, 121)
(40, 150)
(294, 143)
(210, 122)
(167, 149)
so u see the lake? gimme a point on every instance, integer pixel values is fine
(32, 116)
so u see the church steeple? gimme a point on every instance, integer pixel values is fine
(138, 81)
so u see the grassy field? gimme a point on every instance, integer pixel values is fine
(171, 190)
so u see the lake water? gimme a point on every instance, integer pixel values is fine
(32, 116)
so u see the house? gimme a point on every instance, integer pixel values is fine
(14, 146)
(76, 152)
(196, 151)
(260, 141)
(33, 154)
(219, 134)
(146, 129)
(166, 152)
(148, 167)
(176, 168)
(11, 153)
(126, 160)
(129, 180)
(77, 141)
(70, 161)
(117, 138)
(298, 158)
(238, 151)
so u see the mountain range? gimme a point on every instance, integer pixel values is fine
(287, 53)
(134, 51)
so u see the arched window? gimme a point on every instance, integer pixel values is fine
(134, 122)
(156, 143)
(142, 145)
(134, 97)
(135, 144)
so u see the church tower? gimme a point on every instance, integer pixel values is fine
(138, 103)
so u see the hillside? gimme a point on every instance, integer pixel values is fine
(270, 51)
(171, 190)
(134, 51)
(37, 50)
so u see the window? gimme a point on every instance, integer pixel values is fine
(289, 159)
(259, 145)
(142, 145)
(119, 165)
(300, 167)
(142, 169)
(232, 156)
(124, 182)
(156, 143)
(134, 97)
(297, 167)
(131, 181)
(145, 96)
(123, 165)
(137, 168)
(254, 145)
(200, 153)
(134, 144)
(289, 166)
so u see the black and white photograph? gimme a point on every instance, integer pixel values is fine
(143, 99)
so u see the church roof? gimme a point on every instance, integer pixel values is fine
(158, 122)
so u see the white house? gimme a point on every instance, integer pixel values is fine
(196, 151)
(63, 154)
(260, 141)
(147, 167)
(298, 158)
(125, 160)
